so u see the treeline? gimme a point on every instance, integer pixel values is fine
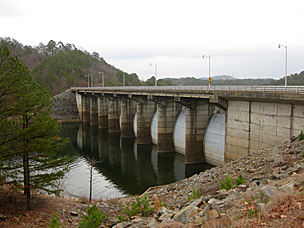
(58, 66)
(293, 79)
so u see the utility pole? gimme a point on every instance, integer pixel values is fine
(205, 56)
(285, 46)
(155, 65)
(102, 78)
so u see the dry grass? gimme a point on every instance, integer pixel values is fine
(279, 199)
(221, 222)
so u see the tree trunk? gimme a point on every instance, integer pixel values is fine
(26, 174)
(26, 168)
(91, 180)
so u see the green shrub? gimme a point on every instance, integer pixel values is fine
(251, 213)
(239, 180)
(93, 219)
(196, 194)
(121, 218)
(54, 222)
(141, 205)
(227, 183)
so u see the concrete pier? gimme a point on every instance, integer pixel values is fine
(102, 103)
(85, 107)
(113, 114)
(168, 110)
(145, 112)
(198, 113)
(93, 110)
(128, 110)
(255, 117)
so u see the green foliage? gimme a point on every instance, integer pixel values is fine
(227, 183)
(54, 222)
(93, 219)
(301, 136)
(141, 205)
(196, 194)
(162, 204)
(121, 218)
(240, 180)
(58, 66)
(28, 135)
(303, 157)
(251, 213)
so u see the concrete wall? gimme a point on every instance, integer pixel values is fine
(252, 126)
(168, 111)
(145, 112)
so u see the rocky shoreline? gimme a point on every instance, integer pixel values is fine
(273, 195)
(64, 107)
(272, 173)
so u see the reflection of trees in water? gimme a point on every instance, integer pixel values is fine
(128, 165)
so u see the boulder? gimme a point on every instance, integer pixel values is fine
(184, 216)
(266, 193)
(170, 224)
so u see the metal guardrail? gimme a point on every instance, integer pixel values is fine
(196, 89)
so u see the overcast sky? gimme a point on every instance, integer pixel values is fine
(241, 36)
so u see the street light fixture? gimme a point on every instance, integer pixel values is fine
(102, 78)
(90, 80)
(285, 46)
(155, 65)
(206, 56)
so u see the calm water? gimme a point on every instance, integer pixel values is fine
(122, 168)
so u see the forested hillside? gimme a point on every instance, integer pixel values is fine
(59, 66)
(293, 79)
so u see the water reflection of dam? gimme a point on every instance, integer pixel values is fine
(127, 166)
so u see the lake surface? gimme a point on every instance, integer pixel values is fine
(122, 167)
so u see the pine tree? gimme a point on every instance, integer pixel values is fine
(28, 135)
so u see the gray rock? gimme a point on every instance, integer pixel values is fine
(170, 224)
(196, 202)
(185, 215)
(73, 213)
(266, 193)
(289, 187)
(161, 211)
(123, 225)
(166, 216)
(212, 201)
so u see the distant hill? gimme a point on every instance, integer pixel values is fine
(59, 66)
(219, 77)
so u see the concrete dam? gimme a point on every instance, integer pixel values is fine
(205, 124)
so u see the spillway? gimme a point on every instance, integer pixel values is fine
(154, 123)
(179, 132)
(135, 124)
(214, 140)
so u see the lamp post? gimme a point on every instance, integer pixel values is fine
(102, 78)
(155, 65)
(90, 81)
(206, 56)
(285, 46)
